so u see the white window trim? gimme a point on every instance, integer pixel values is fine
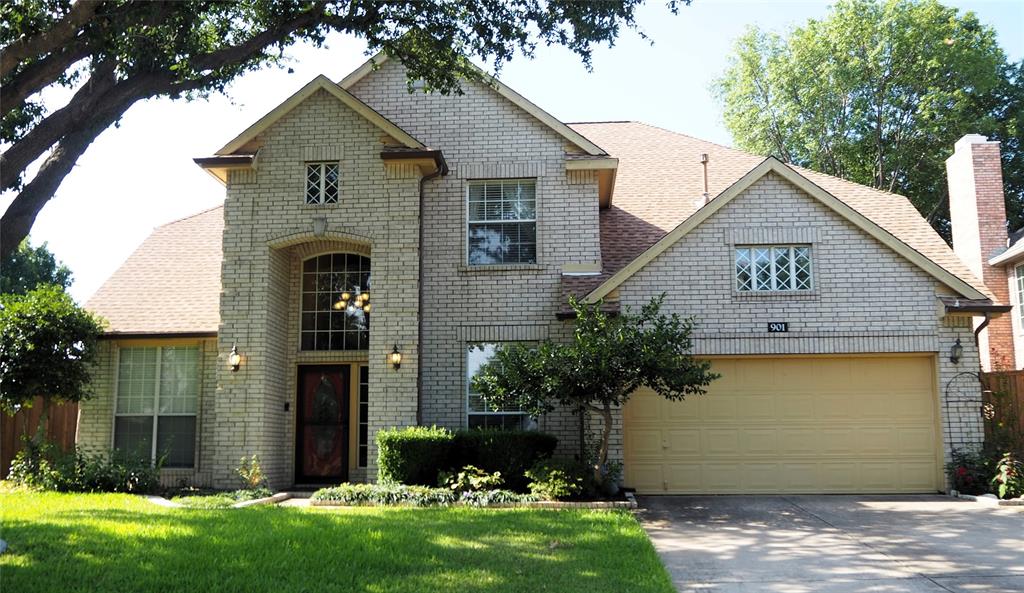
(465, 373)
(156, 402)
(323, 181)
(536, 209)
(1018, 272)
(811, 287)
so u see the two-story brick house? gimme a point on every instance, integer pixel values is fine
(375, 246)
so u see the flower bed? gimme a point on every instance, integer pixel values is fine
(418, 496)
(205, 499)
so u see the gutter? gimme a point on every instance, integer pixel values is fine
(442, 169)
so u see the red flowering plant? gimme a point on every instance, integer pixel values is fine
(970, 472)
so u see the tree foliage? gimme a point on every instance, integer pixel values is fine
(609, 358)
(116, 52)
(27, 267)
(47, 347)
(878, 92)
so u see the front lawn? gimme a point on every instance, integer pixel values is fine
(118, 543)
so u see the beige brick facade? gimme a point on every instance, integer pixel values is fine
(867, 298)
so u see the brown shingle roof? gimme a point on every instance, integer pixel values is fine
(660, 184)
(171, 283)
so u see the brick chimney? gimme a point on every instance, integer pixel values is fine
(977, 211)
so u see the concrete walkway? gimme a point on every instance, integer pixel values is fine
(836, 544)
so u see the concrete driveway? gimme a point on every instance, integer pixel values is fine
(836, 544)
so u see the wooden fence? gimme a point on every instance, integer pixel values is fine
(1003, 408)
(60, 429)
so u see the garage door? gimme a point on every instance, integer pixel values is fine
(791, 424)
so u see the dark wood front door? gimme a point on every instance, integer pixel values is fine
(321, 450)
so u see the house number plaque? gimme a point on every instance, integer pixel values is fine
(778, 327)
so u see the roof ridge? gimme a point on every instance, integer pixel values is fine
(184, 218)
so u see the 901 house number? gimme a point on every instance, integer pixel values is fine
(777, 327)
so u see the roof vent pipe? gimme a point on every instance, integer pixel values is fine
(704, 164)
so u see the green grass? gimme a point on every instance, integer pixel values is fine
(120, 543)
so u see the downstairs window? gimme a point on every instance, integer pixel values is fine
(157, 401)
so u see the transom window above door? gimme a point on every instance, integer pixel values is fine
(767, 268)
(322, 183)
(502, 222)
(336, 302)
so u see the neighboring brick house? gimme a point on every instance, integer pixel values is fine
(829, 308)
(980, 237)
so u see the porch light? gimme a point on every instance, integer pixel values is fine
(366, 308)
(956, 352)
(234, 359)
(395, 357)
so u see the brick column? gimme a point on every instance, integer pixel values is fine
(978, 214)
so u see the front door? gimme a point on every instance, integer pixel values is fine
(321, 450)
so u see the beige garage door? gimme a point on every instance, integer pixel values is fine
(791, 424)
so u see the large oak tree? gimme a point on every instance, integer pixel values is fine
(116, 52)
(878, 92)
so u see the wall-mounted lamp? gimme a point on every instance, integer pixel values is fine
(956, 352)
(234, 359)
(395, 358)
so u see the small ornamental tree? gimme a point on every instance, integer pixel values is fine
(609, 358)
(47, 346)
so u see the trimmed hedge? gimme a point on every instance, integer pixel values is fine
(511, 452)
(416, 455)
(412, 455)
(420, 496)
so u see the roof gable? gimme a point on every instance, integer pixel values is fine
(321, 82)
(773, 165)
(515, 98)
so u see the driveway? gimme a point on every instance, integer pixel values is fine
(836, 544)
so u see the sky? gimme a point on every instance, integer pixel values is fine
(140, 174)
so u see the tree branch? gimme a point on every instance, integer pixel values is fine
(39, 75)
(48, 40)
(21, 214)
(56, 125)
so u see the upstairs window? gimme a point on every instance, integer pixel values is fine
(322, 183)
(768, 268)
(502, 224)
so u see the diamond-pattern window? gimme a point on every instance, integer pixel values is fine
(766, 268)
(322, 180)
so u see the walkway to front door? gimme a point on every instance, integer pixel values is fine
(836, 544)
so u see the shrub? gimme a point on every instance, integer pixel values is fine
(32, 467)
(557, 479)
(413, 455)
(44, 467)
(251, 472)
(470, 479)
(421, 496)
(1009, 479)
(971, 472)
(510, 452)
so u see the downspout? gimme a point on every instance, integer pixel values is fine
(977, 330)
(441, 170)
